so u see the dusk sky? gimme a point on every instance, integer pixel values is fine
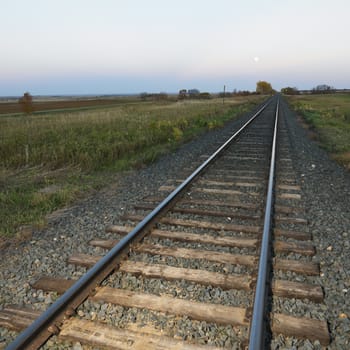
(113, 46)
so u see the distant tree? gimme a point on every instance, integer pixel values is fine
(182, 94)
(243, 93)
(26, 103)
(290, 91)
(323, 89)
(205, 96)
(143, 96)
(264, 88)
(193, 93)
(225, 94)
(162, 96)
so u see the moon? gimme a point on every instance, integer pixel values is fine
(256, 59)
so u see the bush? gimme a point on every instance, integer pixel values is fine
(26, 103)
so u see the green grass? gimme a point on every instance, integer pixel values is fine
(95, 139)
(47, 161)
(329, 117)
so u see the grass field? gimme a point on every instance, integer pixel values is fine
(50, 160)
(328, 116)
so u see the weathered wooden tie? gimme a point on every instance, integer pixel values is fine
(214, 203)
(215, 313)
(185, 253)
(301, 327)
(282, 288)
(211, 190)
(228, 241)
(108, 337)
(99, 334)
(170, 273)
(203, 212)
(297, 235)
(201, 224)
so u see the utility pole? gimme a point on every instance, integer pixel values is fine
(223, 98)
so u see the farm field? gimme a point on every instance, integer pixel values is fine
(49, 160)
(328, 118)
(11, 106)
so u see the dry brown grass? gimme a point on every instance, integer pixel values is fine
(47, 104)
(343, 158)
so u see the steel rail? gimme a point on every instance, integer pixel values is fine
(49, 321)
(257, 328)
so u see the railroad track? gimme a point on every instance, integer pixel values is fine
(224, 251)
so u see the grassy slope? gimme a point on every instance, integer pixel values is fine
(329, 117)
(73, 153)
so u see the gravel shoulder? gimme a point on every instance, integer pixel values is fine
(326, 188)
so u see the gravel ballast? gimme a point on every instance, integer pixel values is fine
(326, 191)
(326, 194)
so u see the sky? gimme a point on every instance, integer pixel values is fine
(60, 47)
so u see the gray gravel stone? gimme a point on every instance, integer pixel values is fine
(326, 192)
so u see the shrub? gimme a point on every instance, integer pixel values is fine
(26, 103)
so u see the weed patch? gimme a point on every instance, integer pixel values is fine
(328, 116)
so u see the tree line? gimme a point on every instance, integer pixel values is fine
(319, 89)
(262, 88)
